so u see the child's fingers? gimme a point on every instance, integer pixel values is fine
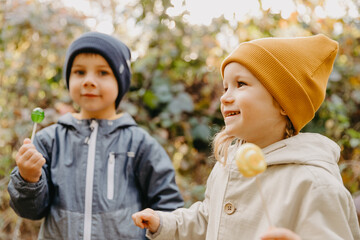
(147, 218)
(135, 217)
(34, 155)
(29, 162)
(24, 155)
(33, 162)
(144, 218)
(138, 219)
(280, 234)
(26, 151)
(37, 161)
(25, 147)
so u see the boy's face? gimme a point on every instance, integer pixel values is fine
(93, 86)
(249, 111)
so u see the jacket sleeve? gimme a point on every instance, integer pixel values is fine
(156, 177)
(184, 224)
(30, 200)
(328, 212)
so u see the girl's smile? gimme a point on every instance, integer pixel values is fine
(231, 113)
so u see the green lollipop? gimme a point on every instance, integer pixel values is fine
(37, 115)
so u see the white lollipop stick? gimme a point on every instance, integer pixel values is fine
(258, 184)
(33, 132)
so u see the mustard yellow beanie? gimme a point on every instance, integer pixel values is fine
(295, 71)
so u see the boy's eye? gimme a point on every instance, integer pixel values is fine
(104, 73)
(79, 72)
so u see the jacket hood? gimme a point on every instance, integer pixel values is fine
(107, 126)
(306, 149)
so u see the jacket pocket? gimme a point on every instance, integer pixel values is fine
(111, 176)
(117, 179)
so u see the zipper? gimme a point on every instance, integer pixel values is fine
(90, 179)
(110, 176)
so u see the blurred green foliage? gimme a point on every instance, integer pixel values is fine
(176, 83)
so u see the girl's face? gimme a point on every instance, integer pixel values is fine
(249, 111)
(93, 86)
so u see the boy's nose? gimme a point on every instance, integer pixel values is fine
(89, 81)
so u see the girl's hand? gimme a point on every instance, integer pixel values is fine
(280, 234)
(147, 218)
(29, 162)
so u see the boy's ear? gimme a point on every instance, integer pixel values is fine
(282, 112)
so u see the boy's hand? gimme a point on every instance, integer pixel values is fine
(29, 162)
(147, 218)
(280, 234)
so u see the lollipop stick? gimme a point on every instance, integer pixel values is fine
(33, 132)
(258, 184)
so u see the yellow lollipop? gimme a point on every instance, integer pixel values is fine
(250, 160)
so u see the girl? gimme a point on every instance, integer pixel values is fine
(272, 89)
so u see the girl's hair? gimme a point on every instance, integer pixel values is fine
(222, 142)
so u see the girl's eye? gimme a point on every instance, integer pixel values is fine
(225, 89)
(240, 84)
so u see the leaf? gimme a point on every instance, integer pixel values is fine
(163, 93)
(150, 99)
(201, 132)
(181, 103)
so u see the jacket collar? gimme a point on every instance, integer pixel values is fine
(303, 148)
(105, 126)
(310, 149)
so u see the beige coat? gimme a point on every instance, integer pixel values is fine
(302, 187)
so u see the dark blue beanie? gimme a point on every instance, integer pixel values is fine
(116, 53)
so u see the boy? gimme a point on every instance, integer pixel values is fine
(89, 172)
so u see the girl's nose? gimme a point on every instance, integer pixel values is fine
(227, 98)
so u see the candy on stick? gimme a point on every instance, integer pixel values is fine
(37, 115)
(251, 161)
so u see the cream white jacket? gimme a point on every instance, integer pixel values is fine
(302, 187)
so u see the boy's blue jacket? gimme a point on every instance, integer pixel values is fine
(97, 174)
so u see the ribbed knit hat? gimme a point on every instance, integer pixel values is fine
(116, 53)
(295, 71)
